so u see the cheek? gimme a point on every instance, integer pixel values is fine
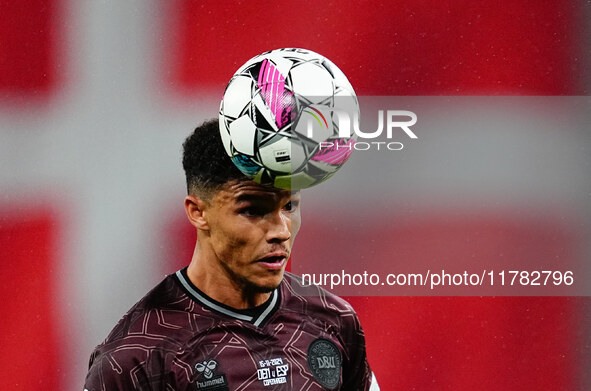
(228, 241)
(231, 243)
(296, 222)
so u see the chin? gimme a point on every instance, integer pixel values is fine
(265, 285)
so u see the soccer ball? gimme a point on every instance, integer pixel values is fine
(280, 117)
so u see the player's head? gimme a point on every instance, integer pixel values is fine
(246, 230)
(206, 164)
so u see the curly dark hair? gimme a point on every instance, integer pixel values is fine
(206, 164)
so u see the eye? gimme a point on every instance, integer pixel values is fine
(249, 212)
(292, 206)
(252, 211)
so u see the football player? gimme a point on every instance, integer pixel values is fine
(233, 319)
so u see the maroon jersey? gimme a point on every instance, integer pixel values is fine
(177, 338)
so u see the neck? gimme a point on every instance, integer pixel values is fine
(208, 274)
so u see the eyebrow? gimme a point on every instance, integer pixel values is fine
(265, 196)
(249, 197)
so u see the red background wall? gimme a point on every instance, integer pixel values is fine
(424, 47)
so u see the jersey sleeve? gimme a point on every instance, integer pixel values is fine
(117, 371)
(357, 374)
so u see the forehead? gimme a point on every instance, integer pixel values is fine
(245, 191)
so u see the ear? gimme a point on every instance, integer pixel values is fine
(195, 208)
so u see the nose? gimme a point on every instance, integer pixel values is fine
(279, 227)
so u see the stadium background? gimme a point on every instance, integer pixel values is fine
(97, 96)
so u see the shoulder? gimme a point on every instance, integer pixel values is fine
(315, 301)
(335, 320)
(161, 301)
(156, 324)
(314, 293)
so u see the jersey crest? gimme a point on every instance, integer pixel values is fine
(324, 360)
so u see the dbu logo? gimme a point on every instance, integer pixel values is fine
(325, 362)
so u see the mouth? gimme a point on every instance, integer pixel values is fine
(273, 261)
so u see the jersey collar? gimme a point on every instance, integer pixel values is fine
(263, 312)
